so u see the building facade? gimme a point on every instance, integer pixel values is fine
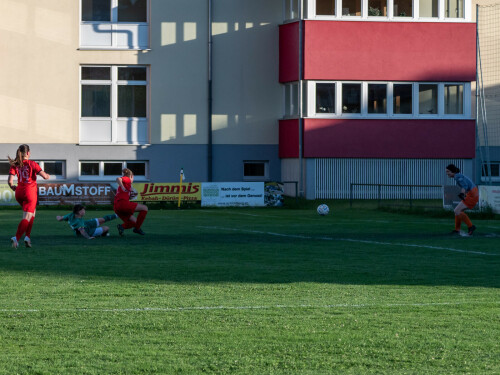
(323, 92)
(96, 85)
(377, 92)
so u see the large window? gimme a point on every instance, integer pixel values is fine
(377, 98)
(325, 7)
(109, 170)
(494, 168)
(325, 98)
(332, 99)
(114, 24)
(56, 168)
(428, 8)
(402, 99)
(351, 98)
(351, 8)
(114, 104)
(417, 10)
(428, 99)
(454, 99)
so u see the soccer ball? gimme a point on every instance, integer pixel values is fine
(323, 209)
(133, 193)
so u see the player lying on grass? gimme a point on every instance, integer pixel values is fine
(469, 196)
(89, 229)
(124, 208)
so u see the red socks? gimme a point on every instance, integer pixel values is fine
(21, 228)
(140, 219)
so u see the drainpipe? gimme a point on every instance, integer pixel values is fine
(299, 97)
(209, 65)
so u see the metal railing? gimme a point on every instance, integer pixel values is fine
(379, 190)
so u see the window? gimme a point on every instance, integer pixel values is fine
(441, 100)
(454, 8)
(418, 10)
(56, 168)
(403, 8)
(291, 9)
(325, 98)
(428, 8)
(351, 7)
(114, 105)
(454, 99)
(377, 98)
(427, 99)
(255, 170)
(494, 167)
(112, 24)
(402, 99)
(325, 7)
(377, 8)
(4, 168)
(291, 99)
(110, 170)
(351, 98)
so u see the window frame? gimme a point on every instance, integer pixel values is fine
(102, 177)
(485, 178)
(114, 27)
(265, 177)
(310, 101)
(41, 163)
(415, 17)
(114, 119)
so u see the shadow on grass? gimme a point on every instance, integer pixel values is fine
(257, 258)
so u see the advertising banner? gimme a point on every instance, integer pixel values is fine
(156, 192)
(7, 196)
(75, 193)
(489, 197)
(224, 194)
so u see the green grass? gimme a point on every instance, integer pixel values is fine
(253, 291)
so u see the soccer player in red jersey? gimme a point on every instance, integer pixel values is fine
(26, 191)
(124, 208)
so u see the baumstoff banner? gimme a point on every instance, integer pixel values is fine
(225, 194)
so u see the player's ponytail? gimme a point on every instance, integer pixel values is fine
(452, 168)
(20, 156)
(127, 172)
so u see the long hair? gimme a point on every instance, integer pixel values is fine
(127, 172)
(21, 153)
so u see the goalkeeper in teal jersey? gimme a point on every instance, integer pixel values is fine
(89, 229)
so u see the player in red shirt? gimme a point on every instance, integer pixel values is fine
(124, 208)
(26, 191)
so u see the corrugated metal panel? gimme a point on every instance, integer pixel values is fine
(334, 177)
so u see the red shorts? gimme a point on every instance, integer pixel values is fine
(124, 209)
(471, 198)
(27, 197)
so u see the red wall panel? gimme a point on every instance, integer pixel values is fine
(335, 138)
(389, 51)
(289, 52)
(289, 138)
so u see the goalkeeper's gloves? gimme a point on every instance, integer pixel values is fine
(461, 196)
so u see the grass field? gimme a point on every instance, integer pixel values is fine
(252, 291)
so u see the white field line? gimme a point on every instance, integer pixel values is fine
(216, 308)
(350, 240)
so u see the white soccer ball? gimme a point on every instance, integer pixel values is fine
(323, 209)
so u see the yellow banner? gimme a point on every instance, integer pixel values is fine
(152, 192)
